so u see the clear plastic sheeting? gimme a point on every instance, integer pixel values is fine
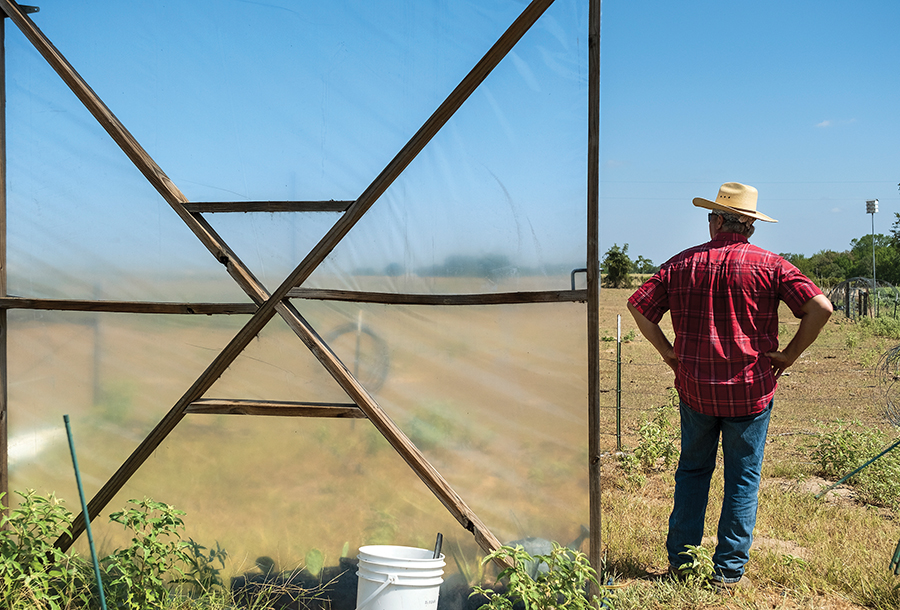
(286, 101)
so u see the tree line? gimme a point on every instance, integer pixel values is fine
(826, 267)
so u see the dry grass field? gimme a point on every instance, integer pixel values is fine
(495, 397)
(832, 552)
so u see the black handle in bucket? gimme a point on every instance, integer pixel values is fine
(437, 545)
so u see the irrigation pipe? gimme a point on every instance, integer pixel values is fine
(845, 477)
(87, 520)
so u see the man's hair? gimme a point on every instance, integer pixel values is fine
(733, 224)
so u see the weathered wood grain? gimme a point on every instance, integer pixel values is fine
(276, 408)
(491, 298)
(267, 206)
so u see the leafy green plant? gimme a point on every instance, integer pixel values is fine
(139, 575)
(157, 571)
(657, 447)
(626, 338)
(657, 440)
(631, 466)
(33, 572)
(698, 568)
(201, 577)
(564, 584)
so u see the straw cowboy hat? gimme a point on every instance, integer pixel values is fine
(736, 198)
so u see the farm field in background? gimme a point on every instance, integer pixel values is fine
(496, 399)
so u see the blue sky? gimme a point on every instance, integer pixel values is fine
(301, 101)
(799, 99)
(240, 100)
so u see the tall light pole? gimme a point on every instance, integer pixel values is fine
(871, 208)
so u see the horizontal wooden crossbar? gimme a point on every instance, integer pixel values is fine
(276, 408)
(267, 206)
(491, 298)
(127, 306)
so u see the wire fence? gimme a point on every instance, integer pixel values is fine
(810, 397)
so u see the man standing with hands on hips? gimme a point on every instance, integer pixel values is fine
(723, 297)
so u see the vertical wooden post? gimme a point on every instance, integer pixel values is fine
(4, 411)
(593, 284)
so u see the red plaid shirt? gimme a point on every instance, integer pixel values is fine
(724, 298)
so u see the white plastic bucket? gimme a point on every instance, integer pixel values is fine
(398, 578)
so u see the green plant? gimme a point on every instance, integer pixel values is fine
(657, 440)
(634, 472)
(315, 561)
(138, 574)
(882, 326)
(657, 447)
(699, 567)
(33, 572)
(471, 571)
(201, 577)
(846, 448)
(563, 584)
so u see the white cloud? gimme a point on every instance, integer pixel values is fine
(830, 123)
(835, 210)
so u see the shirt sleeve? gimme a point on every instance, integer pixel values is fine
(652, 298)
(795, 288)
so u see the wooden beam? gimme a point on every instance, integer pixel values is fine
(4, 380)
(491, 298)
(155, 307)
(219, 406)
(127, 306)
(267, 206)
(593, 278)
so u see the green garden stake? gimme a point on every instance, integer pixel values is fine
(87, 521)
(895, 562)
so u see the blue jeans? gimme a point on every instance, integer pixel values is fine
(743, 443)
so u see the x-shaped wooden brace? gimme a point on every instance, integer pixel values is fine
(277, 302)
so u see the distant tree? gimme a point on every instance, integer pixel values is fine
(616, 267)
(491, 266)
(895, 232)
(644, 265)
(795, 259)
(393, 270)
(825, 267)
(887, 258)
(828, 266)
